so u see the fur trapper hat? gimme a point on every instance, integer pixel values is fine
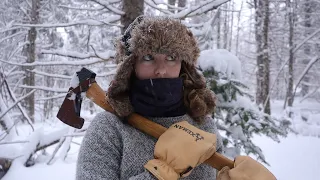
(166, 36)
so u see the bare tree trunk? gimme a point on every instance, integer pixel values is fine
(231, 25)
(3, 121)
(132, 9)
(48, 81)
(263, 73)
(172, 3)
(307, 46)
(291, 30)
(31, 56)
(182, 3)
(238, 30)
(225, 26)
(219, 30)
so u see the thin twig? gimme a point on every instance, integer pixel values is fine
(314, 60)
(13, 142)
(95, 52)
(20, 99)
(19, 105)
(76, 143)
(110, 7)
(15, 122)
(56, 150)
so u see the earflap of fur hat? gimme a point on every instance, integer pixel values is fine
(118, 91)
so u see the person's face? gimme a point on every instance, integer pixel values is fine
(150, 66)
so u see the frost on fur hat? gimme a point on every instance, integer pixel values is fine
(161, 35)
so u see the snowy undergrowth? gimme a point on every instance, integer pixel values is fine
(305, 116)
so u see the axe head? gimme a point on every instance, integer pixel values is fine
(69, 112)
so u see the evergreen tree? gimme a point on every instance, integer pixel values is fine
(238, 117)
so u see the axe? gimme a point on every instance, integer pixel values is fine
(69, 113)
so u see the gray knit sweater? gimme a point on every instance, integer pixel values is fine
(113, 150)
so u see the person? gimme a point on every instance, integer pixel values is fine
(157, 78)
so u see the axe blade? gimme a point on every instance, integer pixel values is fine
(69, 113)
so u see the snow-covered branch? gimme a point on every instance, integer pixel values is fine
(74, 54)
(6, 121)
(81, 9)
(108, 6)
(207, 7)
(315, 90)
(207, 26)
(19, 105)
(13, 142)
(112, 1)
(13, 35)
(64, 146)
(44, 88)
(155, 6)
(106, 74)
(305, 71)
(25, 12)
(9, 29)
(53, 97)
(15, 51)
(112, 72)
(62, 63)
(51, 75)
(203, 7)
(90, 22)
(39, 141)
(160, 2)
(61, 141)
(16, 102)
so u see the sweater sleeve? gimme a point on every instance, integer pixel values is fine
(220, 148)
(101, 151)
(211, 127)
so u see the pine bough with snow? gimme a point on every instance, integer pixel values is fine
(237, 116)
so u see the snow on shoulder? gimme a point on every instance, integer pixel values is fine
(222, 61)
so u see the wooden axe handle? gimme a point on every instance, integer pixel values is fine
(98, 96)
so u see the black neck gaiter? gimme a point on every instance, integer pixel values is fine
(161, 97)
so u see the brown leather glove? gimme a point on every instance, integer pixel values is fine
(180, 149)
(245, 168)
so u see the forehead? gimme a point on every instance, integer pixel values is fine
(141, 53)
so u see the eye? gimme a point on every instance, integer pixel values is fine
(147, 57)
(170, 58)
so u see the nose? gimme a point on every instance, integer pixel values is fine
(161, 69)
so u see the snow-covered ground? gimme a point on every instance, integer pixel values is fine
(296, 157)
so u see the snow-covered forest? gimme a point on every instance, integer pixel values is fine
(260, 57)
